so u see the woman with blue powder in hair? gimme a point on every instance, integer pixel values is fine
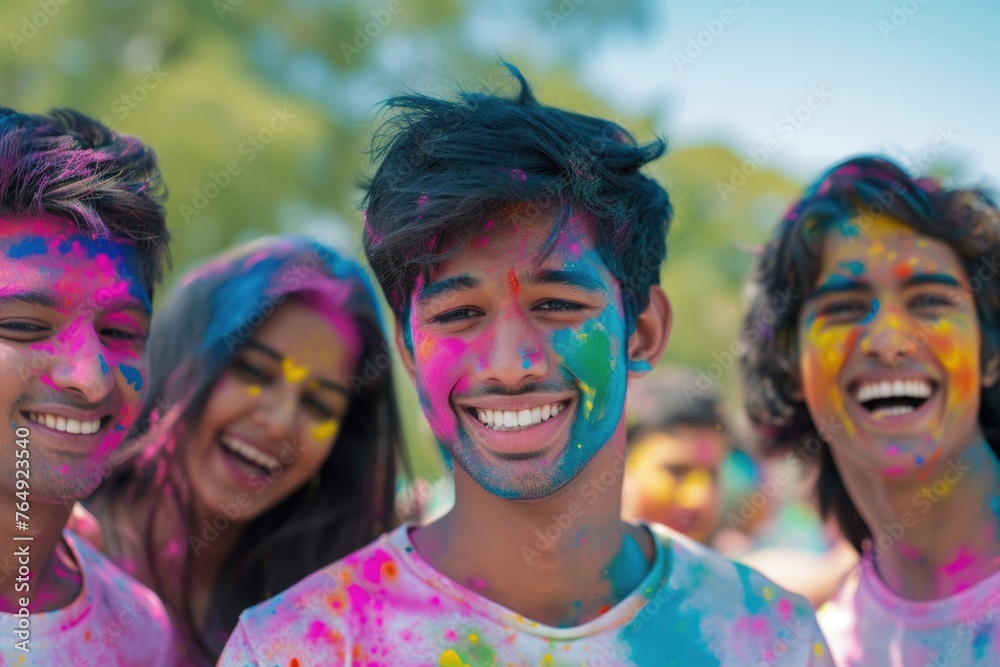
(264, 452)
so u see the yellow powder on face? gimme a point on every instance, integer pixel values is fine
(293, 372)
(327, 430)
(694, 490)
(253, 390)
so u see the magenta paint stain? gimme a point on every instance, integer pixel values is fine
(477, 583)
(962, 561)
(518, 174)
(48, 380)
(372, 570)
(894, 471)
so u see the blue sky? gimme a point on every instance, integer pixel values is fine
(897, 76)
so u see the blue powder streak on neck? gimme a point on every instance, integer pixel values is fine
(628, 568)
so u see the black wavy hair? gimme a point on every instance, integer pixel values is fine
(70, 166)
(859, 189)
(446, 167)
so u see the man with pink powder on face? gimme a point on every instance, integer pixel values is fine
(83, 240)
(520, 248)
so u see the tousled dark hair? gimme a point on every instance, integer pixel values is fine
(855, 192)
(67, 165)
(447, 167)
(194, 337)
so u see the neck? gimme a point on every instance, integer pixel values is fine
(935, 534)
(43, 574)
(560, 560)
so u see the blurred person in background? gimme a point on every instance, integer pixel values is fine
(884, 371)
(270, 445)
(677, 443)
(83, 243)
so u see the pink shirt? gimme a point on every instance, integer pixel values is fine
(868, 624)
(114, 621)
(385, 606)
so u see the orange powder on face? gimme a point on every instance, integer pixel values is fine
(902, 270)
(515, 286)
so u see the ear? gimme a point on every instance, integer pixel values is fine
(652, 331)
(405, 353)
(991, 371)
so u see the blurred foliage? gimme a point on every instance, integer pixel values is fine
(203, 81)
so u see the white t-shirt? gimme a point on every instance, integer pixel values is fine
(868, 624)
(385, 606)
(114, 621)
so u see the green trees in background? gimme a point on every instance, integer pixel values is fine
(261, 114)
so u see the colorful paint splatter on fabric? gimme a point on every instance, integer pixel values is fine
(114, 621)
(962, 630)
(385, 606)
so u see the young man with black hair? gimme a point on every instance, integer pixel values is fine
(885, 372)
(83, 240)
(520, 248)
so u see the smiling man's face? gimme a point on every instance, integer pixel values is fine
(890, 350)
(74, 318)
(520, 360)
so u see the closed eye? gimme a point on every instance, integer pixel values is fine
(121, 334)
(248, 371)
(839, 309)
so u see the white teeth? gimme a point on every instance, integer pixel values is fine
(898, 388)
(66, 424)
(249, 452)
(506, 420)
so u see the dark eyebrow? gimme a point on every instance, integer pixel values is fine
(277, 356)
(444, 287)
(30, 298)
(569, 278)
(931, 279)
(836, 284)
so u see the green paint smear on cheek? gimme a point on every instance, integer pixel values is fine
(591, 355)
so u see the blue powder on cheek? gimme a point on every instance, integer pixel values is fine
(132, 376)
(31, 245)
(855, 268)
(871, 313)
(104, 364)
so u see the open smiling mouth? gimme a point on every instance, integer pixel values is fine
(897, 398)
(517, 420)
(67, 425)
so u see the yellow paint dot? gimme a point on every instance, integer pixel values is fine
(326, 430)
(254, 390)
(818, 650)
(293, 372)
(547, 659)
(768, 593)
(450, 659)
(473, 637)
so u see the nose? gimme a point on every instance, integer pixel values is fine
(275, 413)
(886, 339)
(517, 352)
(79, 367)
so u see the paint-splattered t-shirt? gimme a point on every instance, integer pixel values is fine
(385, 606)
(114, 621)
(867, 624)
